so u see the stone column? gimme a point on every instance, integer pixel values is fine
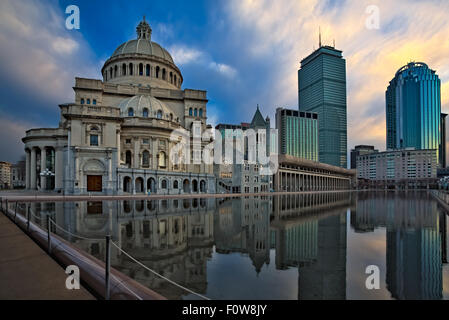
(27, 169)
(33, 169)
(118, 149)
(136, 163)
(58, 168)
(43, 167)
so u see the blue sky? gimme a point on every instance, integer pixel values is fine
(242, 52)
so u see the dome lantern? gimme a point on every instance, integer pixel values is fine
(143, 30)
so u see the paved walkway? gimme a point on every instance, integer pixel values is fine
(27, 272)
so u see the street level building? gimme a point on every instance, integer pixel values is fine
(5, 175)
(399, 168)
(360, 150)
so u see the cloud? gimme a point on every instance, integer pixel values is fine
(38, 53)
(12, 130)
(284, 32)
(184, 55)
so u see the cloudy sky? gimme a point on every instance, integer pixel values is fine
(242, 52)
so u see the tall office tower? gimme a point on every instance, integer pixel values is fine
(359, 151)
(442, 151)
(322, 89)
(413, 108)
(298, 133)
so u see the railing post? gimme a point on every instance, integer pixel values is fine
(1, 203)
(15, 212)
(28, 217)
(107, 267)
(7, 211)
(48, 234)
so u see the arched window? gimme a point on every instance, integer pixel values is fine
(130, 112)
(162, 159)
(164, 74)
(157, 72)
(175, 80)
(171, 116)
(82, 101)
(128, 158)
(148, 70)
(140, 69)
(123, 69)
(190, 111)
(201, 112)
(145, 113)
(130, 69)
(164, 184)
(175, 184)
(171, 77)
(115, 71)
(145, 159)
(159, 114)
(110, 72)
(195, 113)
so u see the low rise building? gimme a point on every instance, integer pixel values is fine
(406, 168)
(5, 175)
(18, 175)
(358, 151)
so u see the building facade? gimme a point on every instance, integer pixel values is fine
(360, 150)
(411, 167)
(5, 175)
(413, 109)
(117, 135)
(322, 89)
(297, 133)
(244, 176)
(18, 175)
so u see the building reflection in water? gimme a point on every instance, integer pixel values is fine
(176, 238)
(416, 240)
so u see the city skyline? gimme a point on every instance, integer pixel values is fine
(232, 78)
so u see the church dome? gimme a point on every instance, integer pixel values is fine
(142, 62)
(145, 106)
(143, 46)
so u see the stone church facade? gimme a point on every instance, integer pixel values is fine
(115, 138)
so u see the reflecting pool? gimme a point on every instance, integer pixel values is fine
(309, 246)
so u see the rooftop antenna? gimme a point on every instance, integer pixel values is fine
(143, 18)
(319, 37)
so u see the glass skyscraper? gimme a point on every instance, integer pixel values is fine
(413, 109)
(298, 133)
(322, 89)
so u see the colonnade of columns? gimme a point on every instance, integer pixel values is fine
(43, 163)
(302, 181)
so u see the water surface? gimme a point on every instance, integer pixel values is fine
(314, 246)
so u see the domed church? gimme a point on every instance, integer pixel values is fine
(115, 137)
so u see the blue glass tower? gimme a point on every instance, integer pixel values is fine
(322, 89)
(413, 108)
